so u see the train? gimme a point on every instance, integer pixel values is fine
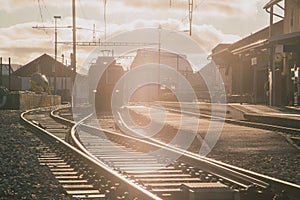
(103, 75)
(106, 72)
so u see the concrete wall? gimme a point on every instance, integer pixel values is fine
(25, 101)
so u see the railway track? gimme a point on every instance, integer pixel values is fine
(131, 161)
(81, 176)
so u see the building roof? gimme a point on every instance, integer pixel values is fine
(44, 65)
(252, 41)
(221, 47)
(15, 66)
(257, 37)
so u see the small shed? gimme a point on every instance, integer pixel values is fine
(58, 74)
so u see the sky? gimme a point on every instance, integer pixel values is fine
(214, 22)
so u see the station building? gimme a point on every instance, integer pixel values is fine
(263, 67)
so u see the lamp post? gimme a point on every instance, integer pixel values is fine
(55, 49)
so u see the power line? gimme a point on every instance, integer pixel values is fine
(110, 43)
(192, 8)
(40, 9)
(41, 15)
(198, 4)
(45, 7)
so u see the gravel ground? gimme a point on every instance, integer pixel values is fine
(258, 150)
(21, 175)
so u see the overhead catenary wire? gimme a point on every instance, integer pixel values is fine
(41, 15)
(45, 7)
(40, 9)
(187, 16)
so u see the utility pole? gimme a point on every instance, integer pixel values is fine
(55, 50)
(73, 58)
(1, 77)
(9, 74)
(272, 87)
(191, 5)
(104, 16)
(94, 32)
(74, 37)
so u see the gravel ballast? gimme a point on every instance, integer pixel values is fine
(21, 175)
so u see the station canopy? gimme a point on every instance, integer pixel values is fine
(271, 3)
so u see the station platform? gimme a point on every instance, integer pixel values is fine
(262, 150)
(287, 116)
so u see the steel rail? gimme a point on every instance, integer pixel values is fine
(276, 184)
(184, 157)
(237, 175)
(135, 191)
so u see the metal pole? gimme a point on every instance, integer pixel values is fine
(94, 32)
(1, 77)
(241, 74)
(73, 59)
(9, 72)
(272, 94)
(104, 13)
(273, 89)
(55, 50)
(74, 35)
(191, 5)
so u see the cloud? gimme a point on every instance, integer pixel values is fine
(13, 5)
(228, 8)
(10, 5)
(23, 43)
(208, 36)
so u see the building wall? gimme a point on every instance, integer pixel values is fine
(61, 83)
(25, 83)
(292, 16)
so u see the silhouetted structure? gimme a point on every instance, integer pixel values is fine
(7, 79)
(102, 78)
(45, 65)
(270, 55)
(175, 61)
